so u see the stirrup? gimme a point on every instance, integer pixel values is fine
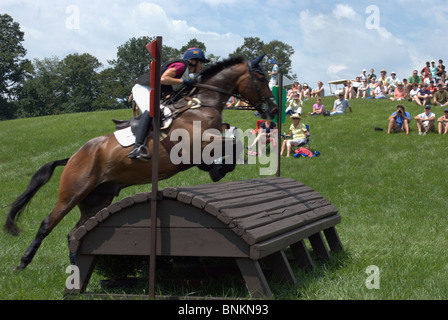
(140, 152)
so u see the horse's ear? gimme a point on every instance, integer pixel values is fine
(255, 63)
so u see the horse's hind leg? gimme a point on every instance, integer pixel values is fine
(45, 228)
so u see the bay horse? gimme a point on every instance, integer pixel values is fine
(96, 173)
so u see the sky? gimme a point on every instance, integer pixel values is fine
(332, 39)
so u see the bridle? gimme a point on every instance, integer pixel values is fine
(262, 100)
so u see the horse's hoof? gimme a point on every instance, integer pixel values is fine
(18, 268)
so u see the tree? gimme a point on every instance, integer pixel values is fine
(277, 50)
(14, 68)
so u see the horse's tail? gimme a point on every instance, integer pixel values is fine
(40, 178)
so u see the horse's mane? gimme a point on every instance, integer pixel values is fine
(219, 66)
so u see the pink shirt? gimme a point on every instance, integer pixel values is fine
(399, 93)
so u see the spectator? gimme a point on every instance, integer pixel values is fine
(440, 69)
(340, 106)
(399, 121)
(380, 91)
(433, 69)
(319, 91)
(348, 90)
(298, 132)
(293, 102)
(392, 82)
(414, 79)
(413, 92)
(443, 122)
(441, 96)
(273, 74)
(431, 87)
(425, 121)
(265, 133)
(356, 84)
(424, 96)
(371, 76)
(318, 108)
(399, 93)
(362, 90)
(363, 75)
(426, 71)
(306, 92)
(383, 77)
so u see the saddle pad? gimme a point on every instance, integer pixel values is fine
(125, 137)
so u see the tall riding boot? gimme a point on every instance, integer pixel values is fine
(140, 151)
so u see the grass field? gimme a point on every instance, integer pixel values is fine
(391, 191)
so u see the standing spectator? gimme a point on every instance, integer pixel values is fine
(425, 121)
(424, 96)
(414, 79)
(443, 122)
(340, 106)
(399, 121)
(273, 74)
(319, 91)
(392, 82)
(441, 96)
(371, 76)
(399, 93)
(440, 69)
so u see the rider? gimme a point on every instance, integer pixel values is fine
(175, 75)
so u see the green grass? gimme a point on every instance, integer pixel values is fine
(390, 190)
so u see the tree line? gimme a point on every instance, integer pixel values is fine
(81, 83)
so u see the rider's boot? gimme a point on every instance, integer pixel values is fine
(140, 151)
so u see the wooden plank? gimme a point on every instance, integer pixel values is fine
(333, 239)
(202, 242)
(254, 277)
(281, 267)
(319, 247)
(302, 255)
(230, 208)
(252, 236)
(268, 217)
(267, 247)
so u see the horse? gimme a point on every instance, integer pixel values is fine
(97, 172)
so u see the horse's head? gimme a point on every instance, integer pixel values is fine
(256, 90)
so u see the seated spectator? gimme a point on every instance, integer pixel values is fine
(356, 84)
(424, 96)
(319, 91)
(399, 93)
(441, 96)
(413, 92)
(340, 106)
(294, 104)
(426, 71)
(399, 121)
(265, 133)
(431, 87)
(363, 75)
(362, 90)
(383, 77)
(371, 76)
(425, 121)
(440, 69)
(380, 91)
(348, 90)
(443, 122)
(306, 93)
(414, 79)
(392, 82)
(298, 132)
(318, 108)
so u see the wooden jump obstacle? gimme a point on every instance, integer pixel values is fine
(245, 220)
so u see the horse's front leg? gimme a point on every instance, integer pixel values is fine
(231, 150)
